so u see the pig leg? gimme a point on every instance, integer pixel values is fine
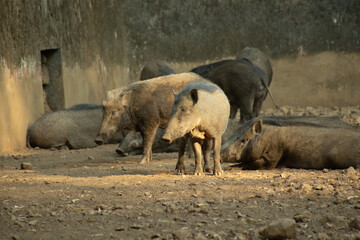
(197, 151)
(180, 167)
(246, 110)
(217, 165)
(233, 111)
(206, 148)
(148, 136)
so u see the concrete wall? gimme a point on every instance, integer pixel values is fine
(314, 46)
(90, 38)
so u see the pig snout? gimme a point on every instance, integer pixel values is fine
(121, 152)
(165, 140)
(99, 140)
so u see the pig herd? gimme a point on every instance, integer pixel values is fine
(164, 111)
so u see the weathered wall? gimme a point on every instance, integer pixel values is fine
(314, 46)
(90, 37)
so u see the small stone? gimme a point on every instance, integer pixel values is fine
(15, 237)
(200, 236)
(120, 228)
(355, 223)
(283, 228)
(136, 226)
(350, 170)
(323, 236)
(26, 166)
(305, 187)
(91, 158)
(182, 234)
(354, 177)
(33, 222)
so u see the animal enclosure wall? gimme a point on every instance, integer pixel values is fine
(101, 45)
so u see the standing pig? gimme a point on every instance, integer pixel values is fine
(142, 106)
(155, 69)
(326, 143)
(244, 83)
(259, 59)
(201, 111)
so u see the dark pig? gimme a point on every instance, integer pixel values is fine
(155, 69)
(258, 58)
(205, 69)
(295, 143)
(133, 142)
(243, 86)
(75, 128)
(201, 111)
(142, 106)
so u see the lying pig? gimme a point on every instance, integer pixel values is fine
(73, 128)
(295, 143)
(142, 106)
(154, 69)
(201, 111)
(133, 142)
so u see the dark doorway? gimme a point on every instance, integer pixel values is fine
(52, 81)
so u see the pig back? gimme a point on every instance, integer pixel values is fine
(155, 97)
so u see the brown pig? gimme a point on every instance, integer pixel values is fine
(142, 106)
(313, 143)
(201, 111)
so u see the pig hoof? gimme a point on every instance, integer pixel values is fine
(208, 169)
(143, 161)
(218, 172)
(198, 173)
(180, 170)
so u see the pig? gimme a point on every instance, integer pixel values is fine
(258, 58)
(142, 106)
(310, 143)
(201, 111)
(155, 69)
(244, 83)
(204, 70)
(72, 128)
(244, 87)
(262, 63)
(133, 142)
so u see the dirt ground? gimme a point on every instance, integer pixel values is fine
(95, 194)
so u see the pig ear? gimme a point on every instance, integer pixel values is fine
(257, 126)
(125, 98)
(194, 95)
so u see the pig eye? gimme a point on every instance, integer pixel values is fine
(183, 109)
(113, 113)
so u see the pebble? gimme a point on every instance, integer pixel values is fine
(182, 234)
(26, 166)
(305, 187)
(355, 223)
(283, 228)
(91, 158)
(350, 170)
